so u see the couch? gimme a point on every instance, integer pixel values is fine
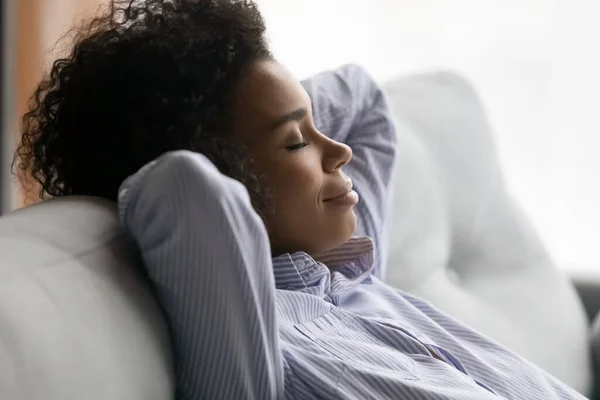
(78, 319)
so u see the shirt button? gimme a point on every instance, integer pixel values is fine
(300, 264)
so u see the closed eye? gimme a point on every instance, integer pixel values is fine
(296, 147)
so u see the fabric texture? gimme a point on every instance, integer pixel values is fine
(246, 326)
(459, 240)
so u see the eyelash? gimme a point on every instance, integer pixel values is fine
(298, 146)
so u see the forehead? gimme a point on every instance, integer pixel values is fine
(267, 92)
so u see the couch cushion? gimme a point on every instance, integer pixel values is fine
(460, 241)
(77, 320)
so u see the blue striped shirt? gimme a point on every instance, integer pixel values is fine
(245, 326)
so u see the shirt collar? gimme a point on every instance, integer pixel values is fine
(353, 259)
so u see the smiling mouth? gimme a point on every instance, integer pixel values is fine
(348, 199)
(337, 197)
(341, 192)
(345, 197)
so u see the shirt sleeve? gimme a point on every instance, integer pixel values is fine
(207, 253)
(349, 106)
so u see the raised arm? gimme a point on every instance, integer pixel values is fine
(207, 254)
(349, 106)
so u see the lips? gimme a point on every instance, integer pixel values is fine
(340, 192)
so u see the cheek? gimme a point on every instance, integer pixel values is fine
(295, 186)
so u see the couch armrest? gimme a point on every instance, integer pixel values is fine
(588, 288)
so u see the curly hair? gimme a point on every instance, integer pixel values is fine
(143, 77)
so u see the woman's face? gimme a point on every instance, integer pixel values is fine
(312, 198)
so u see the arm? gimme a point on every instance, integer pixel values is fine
(349, 107)
(207, 254)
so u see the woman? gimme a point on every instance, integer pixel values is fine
(241, 188)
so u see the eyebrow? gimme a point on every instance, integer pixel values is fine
(295, 115)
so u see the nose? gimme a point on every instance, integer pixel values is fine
(335, 155)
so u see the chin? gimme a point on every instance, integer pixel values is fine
(327, 234)
(345, 231)
(351, 224)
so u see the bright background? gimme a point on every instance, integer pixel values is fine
(535, 64)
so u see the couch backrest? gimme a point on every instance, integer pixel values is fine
(77, 320)
(459, 240)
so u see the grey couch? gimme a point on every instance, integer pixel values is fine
(79, 321)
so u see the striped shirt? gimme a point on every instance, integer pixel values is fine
(245, 326)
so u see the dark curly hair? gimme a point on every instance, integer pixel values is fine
(142, 78)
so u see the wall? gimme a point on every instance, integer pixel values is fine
(6, 196)
(37, 26)
(534, 63)
(571, 207)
